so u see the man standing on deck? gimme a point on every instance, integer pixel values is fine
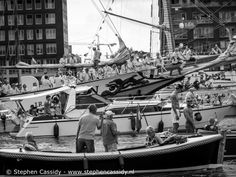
(175, 108)
(96, 56)
(188, 114)
(86, 131)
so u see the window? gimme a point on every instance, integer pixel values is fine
(51, 48)
(21, 35)
(2, 20)
(29, 19)
(11, 20)
(2, 50)
(2, 6)
(12, 50)
(2, 35)
(38, 19)
(30, 49)
(229, 16)
(174, 1)
(38, 4)
(11, 35)
(39, 49)
(30, 34)
(39, 34)
(50, 33)
(20, 19)
(10, 4)
(19, 4)
(21, 49)
(49, 4)
(50, 18)
(29, 4)
(203, 32)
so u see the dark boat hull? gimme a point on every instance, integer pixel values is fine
(191, 155)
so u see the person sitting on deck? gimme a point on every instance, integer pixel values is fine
(31, 144)
(152, 138)
(212, 126)
(33, 110)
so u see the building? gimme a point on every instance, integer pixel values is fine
(201, 24)
(32, 29)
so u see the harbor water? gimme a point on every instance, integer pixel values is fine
(68, 144)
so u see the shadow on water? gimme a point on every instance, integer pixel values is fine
(68, 144)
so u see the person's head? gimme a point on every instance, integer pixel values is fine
(109, 114)
(94, 48)
(93, 109)
(189, 102)
(212, 121)
(48, 97)
(178, 87)
(32, 106)
(29, 137)
(150, 131)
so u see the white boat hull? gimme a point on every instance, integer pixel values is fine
(68, 127)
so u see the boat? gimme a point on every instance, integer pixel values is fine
(131, 116)
(203, 152)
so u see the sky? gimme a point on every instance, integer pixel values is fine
(84, 20)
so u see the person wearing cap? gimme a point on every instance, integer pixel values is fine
(188, 114)
(109, 132)
(86, 130)
(212, 126)
(175, 108)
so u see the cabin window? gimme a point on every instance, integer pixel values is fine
(38, 4)
(50, 33)
(51, 48)
(30, 49)
(11, 35)
(39, 49)
(21, 49)
(2, 35)
(30, 34)
(29, 19)
(11, 20)
(21, 35)
(38, 19)
(39, 34)
(29, 5)
(2, 20)
(2, 5)
(2, 50)
(19, 4)
(50, 18)
(49, 4)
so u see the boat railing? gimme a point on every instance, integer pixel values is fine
(146, 97)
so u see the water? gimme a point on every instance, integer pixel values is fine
(68, 144)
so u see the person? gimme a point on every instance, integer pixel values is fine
(212, 126)
(33, 110)
(30, 144)
(86, 130)
(96, 56)
(109, 132)
(175, 113)
(47, 105)
(188, 114)
(3, 118)
(190, 96)
(152, 138)
(56, 104)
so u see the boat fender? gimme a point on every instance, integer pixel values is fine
(160, 126)
(121, 161)
(138, 125)
(85, 162)
(198, 116)
(56, 130)
(132, 122)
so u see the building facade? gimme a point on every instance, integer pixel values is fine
(201, 24)
(32, 29)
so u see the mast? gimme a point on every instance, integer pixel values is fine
(154, 35)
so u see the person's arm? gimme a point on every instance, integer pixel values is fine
(113, 129)
(100, 122)
(160, 141)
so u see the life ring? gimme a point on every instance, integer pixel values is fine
(198, 116)
(29, 147)
(56, 130)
